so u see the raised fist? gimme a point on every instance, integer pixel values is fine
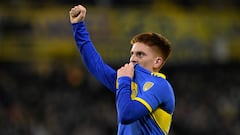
(77, 14)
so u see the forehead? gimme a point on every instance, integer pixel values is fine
(141, 47)
(138, 46)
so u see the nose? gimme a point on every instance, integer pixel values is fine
(133, 59)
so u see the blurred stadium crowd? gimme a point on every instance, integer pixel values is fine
(66, 100)
(45, 89)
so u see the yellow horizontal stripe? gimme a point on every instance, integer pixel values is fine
(144, 103)
(163, 119)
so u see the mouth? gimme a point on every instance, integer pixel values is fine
(134, 62)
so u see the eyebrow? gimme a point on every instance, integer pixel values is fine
(137, 52)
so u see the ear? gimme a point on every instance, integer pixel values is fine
(158, 62)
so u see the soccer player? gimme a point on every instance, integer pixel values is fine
(145, 100)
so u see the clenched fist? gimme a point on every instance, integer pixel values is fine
(126, 70)
(77, 14)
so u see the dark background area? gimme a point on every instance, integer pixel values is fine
(46, 90)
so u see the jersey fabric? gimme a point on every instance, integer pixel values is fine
(145, 104)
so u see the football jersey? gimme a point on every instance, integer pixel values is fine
(150, 89)
(156, 94)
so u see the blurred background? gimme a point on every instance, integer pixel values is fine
(46, 90)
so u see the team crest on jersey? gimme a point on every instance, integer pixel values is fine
(147, 86)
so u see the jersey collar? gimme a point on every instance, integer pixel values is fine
(157, 74)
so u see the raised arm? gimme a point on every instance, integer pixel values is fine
(91, 58)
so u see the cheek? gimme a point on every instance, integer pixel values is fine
(145, 64)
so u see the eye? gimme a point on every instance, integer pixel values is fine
(140, 54)
(131, 53)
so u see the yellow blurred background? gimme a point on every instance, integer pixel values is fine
(202, 33)
(46, 90)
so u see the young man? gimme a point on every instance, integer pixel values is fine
(145, 100)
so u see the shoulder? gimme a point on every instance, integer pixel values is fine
(159, 86)
(159, 79)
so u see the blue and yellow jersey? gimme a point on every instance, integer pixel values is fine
(148, 96)
(156, 94)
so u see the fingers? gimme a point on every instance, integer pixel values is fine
(127, 67)
(77, 13)
(131, 65)
(74, 12)
(126, 70)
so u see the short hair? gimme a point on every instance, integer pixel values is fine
(154, 39)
